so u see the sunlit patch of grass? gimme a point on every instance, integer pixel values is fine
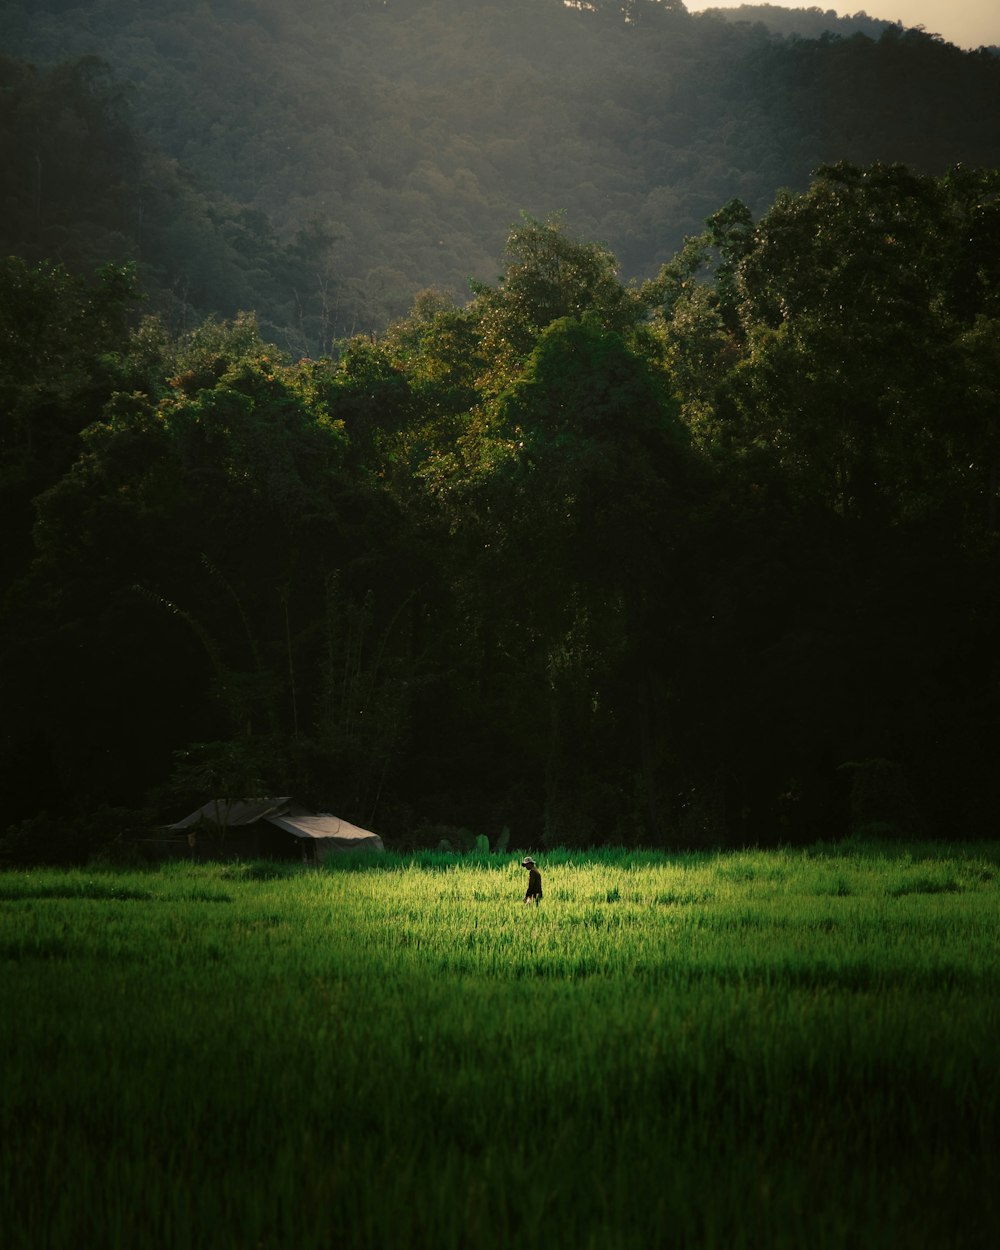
(781, 1048)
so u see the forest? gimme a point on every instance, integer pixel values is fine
(321, 161)
(687, 536)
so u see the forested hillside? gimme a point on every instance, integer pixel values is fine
(321, 162)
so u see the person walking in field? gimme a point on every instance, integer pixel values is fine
(534, 891)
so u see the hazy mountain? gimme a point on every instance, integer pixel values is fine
(324, 161)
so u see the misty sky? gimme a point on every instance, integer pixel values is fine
(967, 23)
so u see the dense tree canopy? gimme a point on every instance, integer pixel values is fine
(710, 559)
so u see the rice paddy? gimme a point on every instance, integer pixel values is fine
(755, 1049)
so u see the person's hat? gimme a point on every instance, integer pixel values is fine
(527, 862)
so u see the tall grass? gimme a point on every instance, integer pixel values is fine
(717, 1050)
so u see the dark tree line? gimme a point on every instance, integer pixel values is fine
(807, 23)
(710, 559)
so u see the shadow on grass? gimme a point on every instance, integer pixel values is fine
(15, 892)
(12, 892)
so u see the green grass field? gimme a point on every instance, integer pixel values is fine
(761, 1049)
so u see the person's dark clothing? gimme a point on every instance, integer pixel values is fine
(534, 885)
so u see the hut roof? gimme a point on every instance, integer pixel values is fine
(241, 812)
(323, 831)
(329, 830)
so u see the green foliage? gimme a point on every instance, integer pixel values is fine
(583, 560)
(548, 276)
(201, 520)
(853, 298)
(57, 334)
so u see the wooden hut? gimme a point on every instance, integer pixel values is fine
(270, 828)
